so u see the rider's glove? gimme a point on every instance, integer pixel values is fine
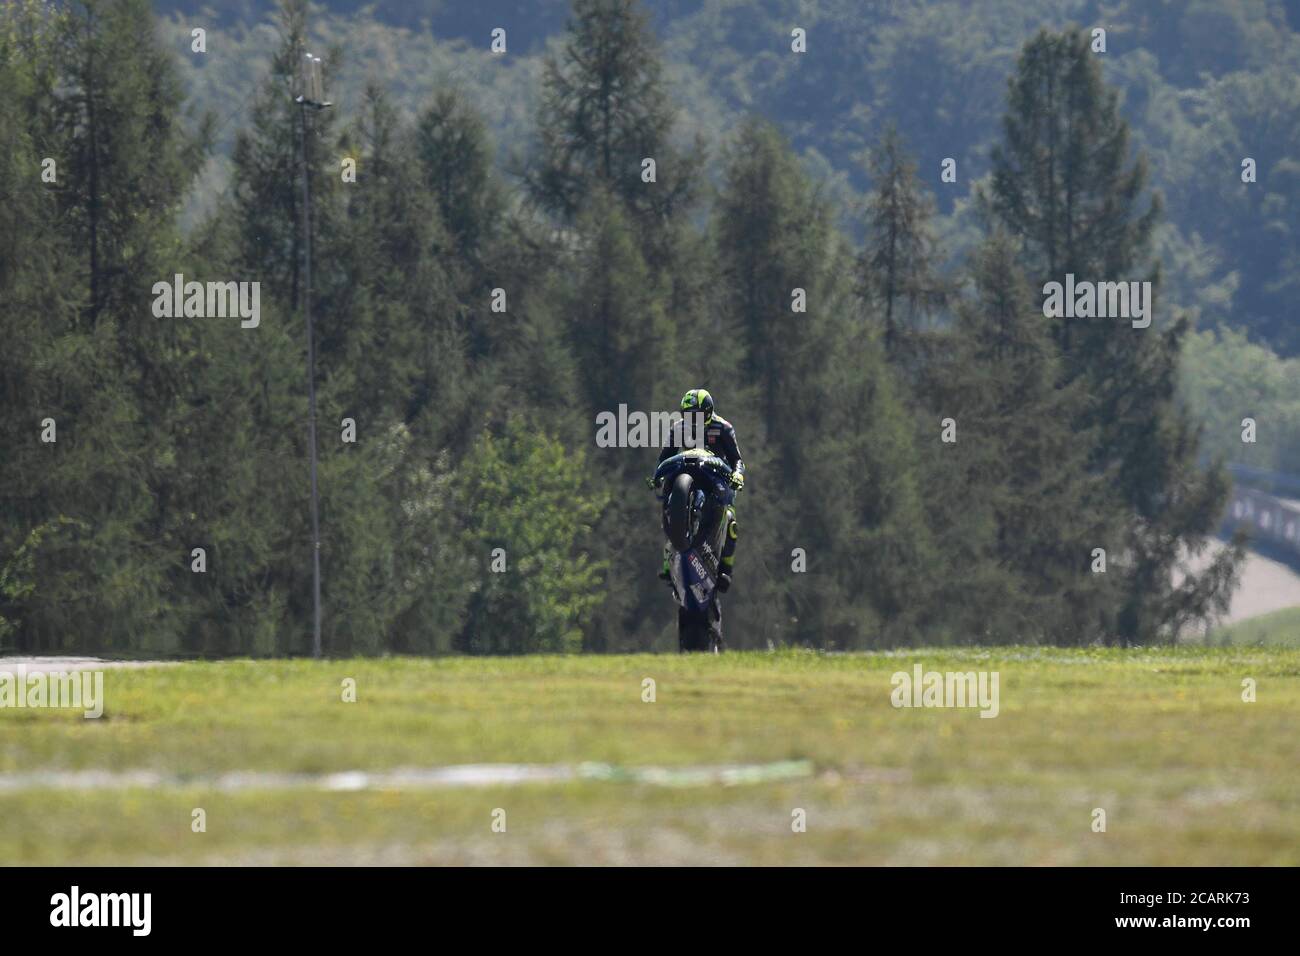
(650, 482)
(738, 480)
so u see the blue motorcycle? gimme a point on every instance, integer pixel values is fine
(696, 494)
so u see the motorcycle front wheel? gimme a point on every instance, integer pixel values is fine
(677, 513)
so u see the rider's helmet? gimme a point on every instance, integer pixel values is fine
(697, 411)
(698, 400)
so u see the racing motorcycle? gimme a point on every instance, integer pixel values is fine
(696, 491)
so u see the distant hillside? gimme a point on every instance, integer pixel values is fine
(1204, 85)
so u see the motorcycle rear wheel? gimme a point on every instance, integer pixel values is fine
(695, 633)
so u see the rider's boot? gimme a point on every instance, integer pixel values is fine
(663, 572)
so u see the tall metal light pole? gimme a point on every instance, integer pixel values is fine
(310, 99)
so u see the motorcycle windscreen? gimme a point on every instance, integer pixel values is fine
(693, 581)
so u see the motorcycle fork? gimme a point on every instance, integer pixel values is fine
(697, 512)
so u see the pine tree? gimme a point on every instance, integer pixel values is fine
(1048, 505)
(605, 109)
(1062, 182)
(898, 265)
(863, 498)
(629, 269)
(100, 97)
(823, 433)
(1064, 188)
(771, 233)
(46, 366)
(616, 331)
(367, 357)
(264, 575)
(456, 164)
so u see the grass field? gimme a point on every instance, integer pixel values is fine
(1186, 772)
(1281, 628)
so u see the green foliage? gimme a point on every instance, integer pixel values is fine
(604, 111)
(456, 162)
(1045, 508)
(95, 92)
(522, 493)
(1203, 84)
(1065, 188)
(1226, 378)
(472, 421)
(898, 267)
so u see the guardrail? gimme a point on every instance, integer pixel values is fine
(1273, 482)
(1271, 520)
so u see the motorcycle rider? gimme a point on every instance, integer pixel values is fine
(710, 431)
